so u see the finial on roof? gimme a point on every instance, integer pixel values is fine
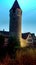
(15, 0)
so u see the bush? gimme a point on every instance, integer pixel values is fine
(27, 57)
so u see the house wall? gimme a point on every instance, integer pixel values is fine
(5, 41)
(27, 42)
(23, 42)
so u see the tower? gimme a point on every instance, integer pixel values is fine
(15, 20)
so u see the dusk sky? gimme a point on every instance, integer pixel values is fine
(28, 14)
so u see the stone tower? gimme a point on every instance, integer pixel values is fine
(15, 20)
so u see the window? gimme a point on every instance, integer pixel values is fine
(30, 40)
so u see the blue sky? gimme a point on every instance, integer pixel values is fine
(28, 14)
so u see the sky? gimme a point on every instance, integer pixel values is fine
(28, 14)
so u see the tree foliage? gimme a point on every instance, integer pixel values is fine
(1, 40)
(1, 46)
(13, 42)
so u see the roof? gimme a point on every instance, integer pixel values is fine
(5, 33)
(25, 35)
(15, 5)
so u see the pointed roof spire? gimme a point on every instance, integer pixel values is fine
(15, 5)
(15, 0)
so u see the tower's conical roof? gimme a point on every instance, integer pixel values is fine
(15, 5)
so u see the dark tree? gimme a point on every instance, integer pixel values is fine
(1, 46)
(13, 43)
(1, 40)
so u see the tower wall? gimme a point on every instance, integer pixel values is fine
(15, 23)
